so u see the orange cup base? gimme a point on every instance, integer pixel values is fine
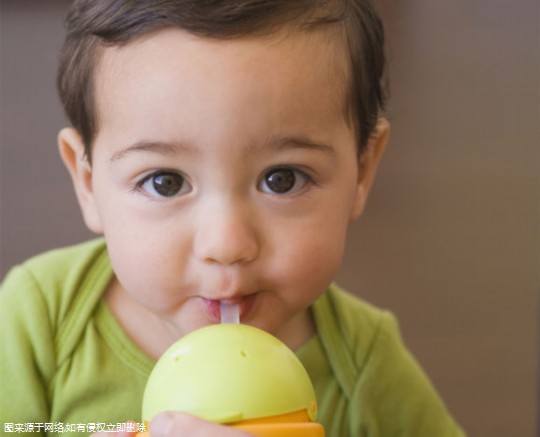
(275, 430)
(283, 429)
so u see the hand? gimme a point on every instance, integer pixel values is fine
(109, 434)
(118, 433)
(181, 424)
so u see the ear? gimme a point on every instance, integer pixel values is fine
(71, 149)
(368, 163)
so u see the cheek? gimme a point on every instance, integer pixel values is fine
(148, 264)
(322, 258)
(311, 259)
(150, 280)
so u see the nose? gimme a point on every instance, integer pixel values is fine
(226, 234)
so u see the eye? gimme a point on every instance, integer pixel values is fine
(164, 184)
(283, 180)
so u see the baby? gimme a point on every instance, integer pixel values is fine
(222, 149)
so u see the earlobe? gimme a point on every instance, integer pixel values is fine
(72, 152)
(368, 163)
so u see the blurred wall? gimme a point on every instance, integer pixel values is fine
(450, 240)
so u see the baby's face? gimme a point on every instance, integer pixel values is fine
(224, 170)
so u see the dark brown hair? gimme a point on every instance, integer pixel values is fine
(94, 24)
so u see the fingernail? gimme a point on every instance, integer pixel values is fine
(161, 424)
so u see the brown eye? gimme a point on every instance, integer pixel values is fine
(168, 184)
(164, 184)
(280, 181)
(285, 180)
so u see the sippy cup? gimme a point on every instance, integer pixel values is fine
(236, 375)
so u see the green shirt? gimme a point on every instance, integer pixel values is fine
(65, 363)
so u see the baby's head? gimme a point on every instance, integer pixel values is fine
(93, 25)
(222, 148)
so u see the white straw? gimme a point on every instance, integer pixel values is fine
(230, 312)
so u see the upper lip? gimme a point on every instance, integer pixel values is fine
(226, 284)
(232, 295)
(236, 298)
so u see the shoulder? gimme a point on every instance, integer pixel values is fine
(376, 371)
(56, 278)
(44, 307)
(58, 264)
(364, 341)
(354, 314)
(354, 324)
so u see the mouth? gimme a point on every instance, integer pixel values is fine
(212, 307)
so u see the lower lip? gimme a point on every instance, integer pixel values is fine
(213, 311)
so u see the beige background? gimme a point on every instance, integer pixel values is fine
(450, 241)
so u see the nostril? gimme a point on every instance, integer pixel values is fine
(232, 252)
(226, 240)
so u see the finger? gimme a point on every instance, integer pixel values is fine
(132, 425)
(175, 424)
(110, 434)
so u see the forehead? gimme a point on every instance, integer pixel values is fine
(300, 70)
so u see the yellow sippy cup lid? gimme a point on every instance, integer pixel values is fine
(228, 373)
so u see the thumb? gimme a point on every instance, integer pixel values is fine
(174, 424)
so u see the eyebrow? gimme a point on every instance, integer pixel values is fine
(160, 147)
(279, 143)
(301, 142)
